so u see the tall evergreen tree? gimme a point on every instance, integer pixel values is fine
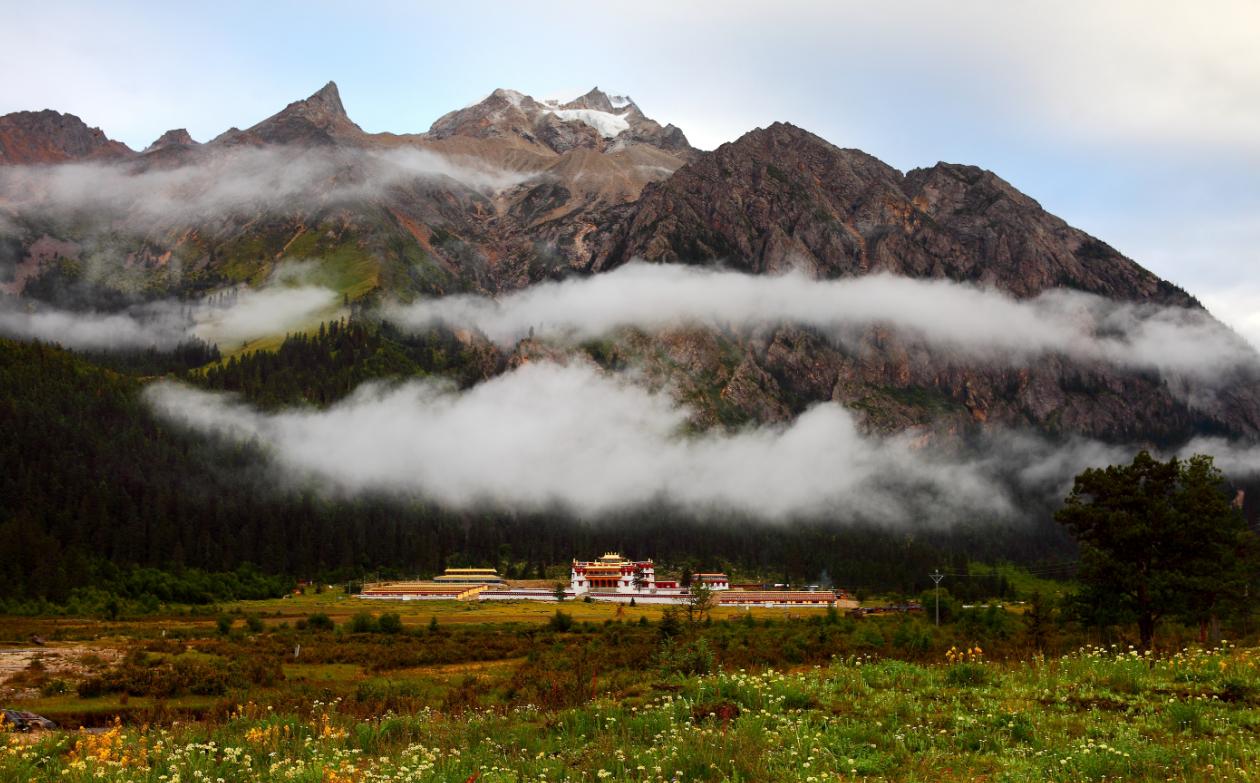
(1157, 539)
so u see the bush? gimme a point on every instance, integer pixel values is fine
(254, 623)
(671, 623)
(54, 688)
(912, 637)
(319, 622)
(224, 624)
(949, 607)
(390, 623)
(362, 622)
(869, 637)
(693, 658)
(141, 676)
(560, 621)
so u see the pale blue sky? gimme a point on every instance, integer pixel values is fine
(1137, 121)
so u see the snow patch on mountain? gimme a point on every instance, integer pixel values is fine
(609, 125)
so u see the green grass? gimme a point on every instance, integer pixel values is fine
(1091, 716)
(337, 605)
(1024, 583)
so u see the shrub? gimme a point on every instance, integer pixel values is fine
(224, 624)
(254, 623)
(140, 676)
(912, 637)
(560, 621)
(54, 688)
(390, 622)
(319, 622)
(671, 623)
(362, 622)
(693, 658)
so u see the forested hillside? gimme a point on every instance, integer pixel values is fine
(93, 476)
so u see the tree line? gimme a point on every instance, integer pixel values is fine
(91, 474)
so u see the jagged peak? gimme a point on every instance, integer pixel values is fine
(596, 99)
(326, 99)
(49, 136)
(318, 119)
(176, 137)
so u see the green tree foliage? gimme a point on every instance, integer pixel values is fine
(186, 356)
(1158, 539)
(319, 622)
(362, 622)
(700, 601)
(324, 367)
(96, 491)
(389, 622)
(560, 621)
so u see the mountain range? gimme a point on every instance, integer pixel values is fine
(512, 191)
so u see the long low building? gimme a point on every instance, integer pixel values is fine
(469, 576)
(778, 598)
(522, 594)
(422, 591)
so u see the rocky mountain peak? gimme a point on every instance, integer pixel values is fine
(598, 100)
(52, 137)
(326, 100)
(318, 120)
(177, 137)
(594, 120)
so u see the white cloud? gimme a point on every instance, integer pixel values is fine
(237, 181)
(573, 438)
(547, 436)
(979, 323)
(226, 319)
(160, 327)
(251, 314)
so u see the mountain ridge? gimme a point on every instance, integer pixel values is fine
(568, 199)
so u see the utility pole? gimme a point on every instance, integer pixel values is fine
(937, 576)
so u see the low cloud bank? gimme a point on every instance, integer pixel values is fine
(976, 322)
(226, 319)
(547, 436)
(237, 181)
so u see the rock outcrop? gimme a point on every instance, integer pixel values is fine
(52, 137)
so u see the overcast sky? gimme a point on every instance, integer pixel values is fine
(1137, 121)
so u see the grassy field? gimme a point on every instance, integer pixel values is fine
(1091, 715)
(338, 605)
(312, 688)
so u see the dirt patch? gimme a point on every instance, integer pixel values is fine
(24, 670)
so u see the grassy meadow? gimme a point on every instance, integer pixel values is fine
(313, 688)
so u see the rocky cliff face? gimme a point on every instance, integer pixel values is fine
(588, 185)
(782, 198)
(51, 137)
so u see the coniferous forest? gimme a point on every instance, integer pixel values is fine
(96, 486)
